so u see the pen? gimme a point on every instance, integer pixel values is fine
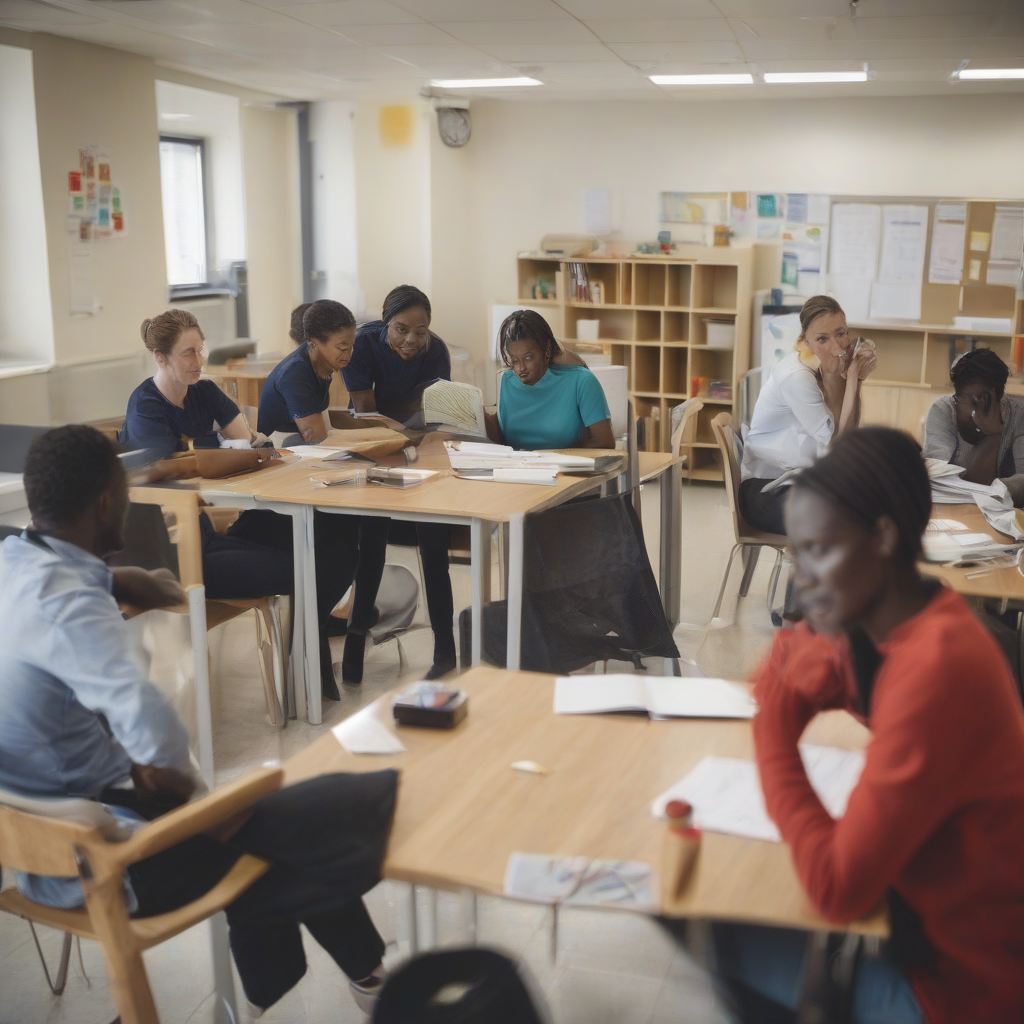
(680, 848)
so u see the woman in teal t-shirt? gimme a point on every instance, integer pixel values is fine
(544, 404)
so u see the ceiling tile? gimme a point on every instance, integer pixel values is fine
(452, 53)
(480, 33)
(678, 30)
(243, 37)
(486, 10)
(860, 49)
(588, 9)
(541, 51)
(14, 11)
(950, 26)
(784, 28)
(677, 51)
(313, 58)
(387, 35)
(901, 8)
(784, 8)
(165, 12)
(551, 71)
(355, 12)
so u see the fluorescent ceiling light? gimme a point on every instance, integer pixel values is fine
(481, 83)
(991, 73)
(702, 79)
(779, 77)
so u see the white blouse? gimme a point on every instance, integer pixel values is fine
(791, 425)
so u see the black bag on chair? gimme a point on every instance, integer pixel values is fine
(459, 986)
(589, 592)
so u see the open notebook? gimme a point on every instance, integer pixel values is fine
(450, 403)
(659, 696)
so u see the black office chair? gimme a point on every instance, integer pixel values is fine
(459, 986)
(589, 592)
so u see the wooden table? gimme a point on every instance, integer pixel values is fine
(481, 505)
(462, 809)
(1006, 582)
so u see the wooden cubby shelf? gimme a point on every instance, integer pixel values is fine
(651, 314)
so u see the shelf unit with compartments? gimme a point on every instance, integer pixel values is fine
(654, 314)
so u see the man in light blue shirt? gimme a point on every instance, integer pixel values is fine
(80, 718)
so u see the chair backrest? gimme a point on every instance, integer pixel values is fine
(730, 446)
(686, 429)
(614, 381)
(14, 442)
(38, 843)
(189, 544)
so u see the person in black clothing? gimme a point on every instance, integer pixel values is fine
(394, 359)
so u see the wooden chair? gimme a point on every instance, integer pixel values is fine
(686, 429)
(274, 665)
(49, 837)
(748, 540)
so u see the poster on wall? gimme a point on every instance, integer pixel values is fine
(95, 202)
(946, 263)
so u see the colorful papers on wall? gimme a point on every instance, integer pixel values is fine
(95, 204)
(946, 264)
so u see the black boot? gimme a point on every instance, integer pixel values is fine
(328, 684)
(355, 648)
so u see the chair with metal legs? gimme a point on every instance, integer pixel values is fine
(748, 540)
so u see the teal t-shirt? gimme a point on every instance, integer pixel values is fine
(554, 411)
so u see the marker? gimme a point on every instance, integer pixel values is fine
(680, 848)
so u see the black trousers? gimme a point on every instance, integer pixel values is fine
(763, 511)
(325, 839)
(336, 541)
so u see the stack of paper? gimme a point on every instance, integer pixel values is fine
(362, 733)
(949, 487)
(951, 547)
(726, 796)
(659, 696)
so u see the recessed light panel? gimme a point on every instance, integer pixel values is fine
(702, 79)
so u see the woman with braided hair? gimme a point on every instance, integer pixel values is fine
(979, 427)
(934, 824)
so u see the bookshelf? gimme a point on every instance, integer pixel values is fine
(653, 314)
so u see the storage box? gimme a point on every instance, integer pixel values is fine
(587, 330)
(720, 333)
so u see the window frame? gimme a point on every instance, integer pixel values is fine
(198, 143)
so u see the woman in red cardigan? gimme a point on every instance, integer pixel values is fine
(935, 825)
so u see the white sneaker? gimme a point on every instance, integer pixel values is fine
(367, 992)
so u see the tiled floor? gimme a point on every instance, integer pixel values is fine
(610, 968)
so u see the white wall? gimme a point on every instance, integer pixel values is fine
(215, 118)
(26, 320)
(529, 164)
(393, 196)
(331, 132)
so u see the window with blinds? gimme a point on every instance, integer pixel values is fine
(184, 200)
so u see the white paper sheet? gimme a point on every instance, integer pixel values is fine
(579, 881)
(362, 733)
(83, 297)
(855, 235)
(1007, 233)
(904, 234)
(597, 211)
(944, 526)
(726, 796)
(895, 301)
(946, 263)
(660, 696)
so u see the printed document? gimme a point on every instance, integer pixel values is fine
(659, 696)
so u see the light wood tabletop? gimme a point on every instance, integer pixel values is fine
(462, 809)
(973, 581)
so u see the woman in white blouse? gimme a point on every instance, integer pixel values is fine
(811, 398)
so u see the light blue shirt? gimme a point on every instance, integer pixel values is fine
(554, 412)
(75, 708)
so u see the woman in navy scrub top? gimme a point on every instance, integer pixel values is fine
(174, 410)
(394, 359)
(293, 401)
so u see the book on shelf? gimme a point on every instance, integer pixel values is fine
(454, 405)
